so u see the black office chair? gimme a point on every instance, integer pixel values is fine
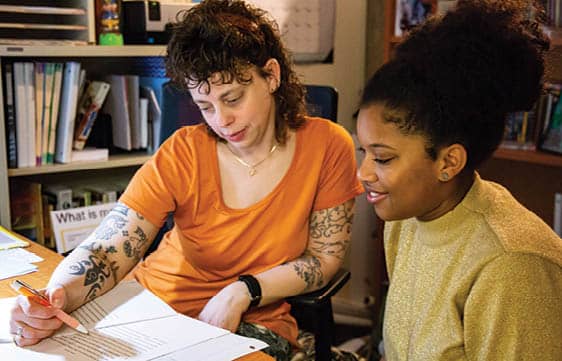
(178, 109)
(313, 312)
(322, 101)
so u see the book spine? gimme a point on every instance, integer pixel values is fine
(117, 107)
(39, 108)
(57, 82)
(21, 114)
(67, 114)
(26, 207)
(132, 84)
(10, 113)
(92, 102)
(29, 69)
(48, 94)
(60, 196)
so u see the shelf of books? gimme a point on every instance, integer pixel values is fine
(76, 109)
(113, 161)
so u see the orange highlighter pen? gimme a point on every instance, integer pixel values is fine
(26, 290)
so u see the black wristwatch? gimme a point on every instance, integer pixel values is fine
(254, 288)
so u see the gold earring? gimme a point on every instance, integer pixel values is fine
(445, 176)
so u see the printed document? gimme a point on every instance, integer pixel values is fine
(130, 323)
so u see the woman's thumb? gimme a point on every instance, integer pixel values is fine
(57, 296)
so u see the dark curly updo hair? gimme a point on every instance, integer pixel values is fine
(455, 79)
(229, 37)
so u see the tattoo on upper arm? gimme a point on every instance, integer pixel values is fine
(329, 223)
(110, 226)
(308, 268)
(133, 246)
(121, 208)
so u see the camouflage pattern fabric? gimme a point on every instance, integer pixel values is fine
(280, 349)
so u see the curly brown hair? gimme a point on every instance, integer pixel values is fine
(455, 78)
(228, 37)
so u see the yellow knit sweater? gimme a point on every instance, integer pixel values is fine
(483, 282)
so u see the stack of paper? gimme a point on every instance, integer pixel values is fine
(131, 323)
(10, 240)
(12, 268)
(16, 262)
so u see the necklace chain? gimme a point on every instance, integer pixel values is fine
(252, 167)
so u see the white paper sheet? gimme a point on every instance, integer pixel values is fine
(19, 254)
(130, 323)
(11, 267)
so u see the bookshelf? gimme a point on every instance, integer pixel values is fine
(348, 54)
(97, 60)
(533, 176)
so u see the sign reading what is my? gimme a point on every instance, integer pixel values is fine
(72, 226)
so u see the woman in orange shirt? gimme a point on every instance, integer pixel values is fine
(262, 195)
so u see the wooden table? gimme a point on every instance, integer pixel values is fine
(37, 279)
(40, 279)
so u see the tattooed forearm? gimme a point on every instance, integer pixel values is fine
(308, 269)
(97, 268)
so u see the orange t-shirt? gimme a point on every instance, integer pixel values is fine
(212, 244)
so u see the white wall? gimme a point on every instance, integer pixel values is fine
(347, 73)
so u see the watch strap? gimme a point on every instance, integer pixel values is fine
(253, 287)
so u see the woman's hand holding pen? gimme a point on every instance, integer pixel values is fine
(31, 321)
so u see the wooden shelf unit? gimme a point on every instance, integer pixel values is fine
(96, 57)
(115, 161)
(529, 156)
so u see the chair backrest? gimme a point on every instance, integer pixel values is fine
(178, 109)
(322, 101)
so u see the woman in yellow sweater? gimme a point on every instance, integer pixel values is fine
(473, 274)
